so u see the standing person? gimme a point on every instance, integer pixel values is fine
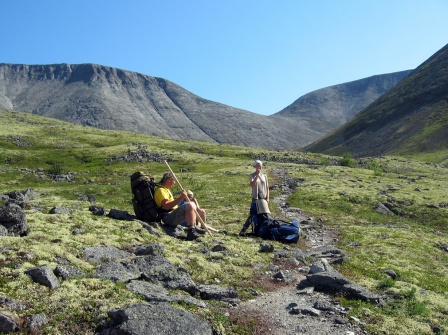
(259, 183)
(175, 214)
(260, 194)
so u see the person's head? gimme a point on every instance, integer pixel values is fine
(258, 164)
(167, 180)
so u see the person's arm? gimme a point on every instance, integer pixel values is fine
(267, 189)
(168, 205)
(254, 179)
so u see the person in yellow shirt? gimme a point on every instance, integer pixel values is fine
(174, 214)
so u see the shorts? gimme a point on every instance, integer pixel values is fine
(175, 218)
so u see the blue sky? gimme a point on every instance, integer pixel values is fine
(257, 55)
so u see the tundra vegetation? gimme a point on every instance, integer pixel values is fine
(343, 193)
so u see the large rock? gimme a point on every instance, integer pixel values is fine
(158, 269)
(155, 318)
(43, 275)
(157, 293)
(13, 219)
(104, 254)
(322, 276)
(8, 323)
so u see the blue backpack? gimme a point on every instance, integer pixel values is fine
(266, 227)
(283, 231)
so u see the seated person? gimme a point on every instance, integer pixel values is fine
(175, 214)
(201, 213)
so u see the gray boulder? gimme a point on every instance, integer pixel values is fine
(43, 275)
(68, 271)
(323, 276)
(156, 293)
(120, 215)
(155, 318)
(153, 249)
(8, 322)
(159, 269)
(104, 254)
(11, 304)
(36, 321)
(13, 219)
(216, 292)
(121, 272)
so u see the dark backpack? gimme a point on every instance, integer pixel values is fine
(284, 231)
(143, 188)
(266, 227)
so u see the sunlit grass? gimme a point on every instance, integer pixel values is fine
(342, 197)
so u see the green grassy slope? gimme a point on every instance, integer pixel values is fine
(343, 197)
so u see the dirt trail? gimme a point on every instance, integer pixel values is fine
(286, 310)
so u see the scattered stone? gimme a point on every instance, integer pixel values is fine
(158, 269)
(43, 275)
(78, 231)
(36, 321)
(383, 209)
(155, 318)
(306, 291)
(266, 247)
(11, 304)
(97, 210)
(310, 311)
(103, 254)
(68, 271)
(157, 293)
(215, 292)
(323, 305)
(153, 249)
(13, 220)
(59, 210)
(391, 273)
(219, 248)
(118, 272)
(9, 322)
(120, 215)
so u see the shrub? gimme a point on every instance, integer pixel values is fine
(347, 160)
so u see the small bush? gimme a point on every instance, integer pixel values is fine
(386, 283)
(347, 160)
(56, 168)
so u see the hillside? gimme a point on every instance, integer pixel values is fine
(110, 98)
(328, 108)
(383, 221)
(410, 119)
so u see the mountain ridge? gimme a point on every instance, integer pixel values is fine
(110, 98)
(411, 117)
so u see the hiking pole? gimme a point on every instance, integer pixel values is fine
(187, 198)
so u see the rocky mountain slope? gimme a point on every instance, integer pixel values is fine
(328, 108)
(411, 117)
(111, 98)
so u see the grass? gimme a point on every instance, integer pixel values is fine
(344, 196)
